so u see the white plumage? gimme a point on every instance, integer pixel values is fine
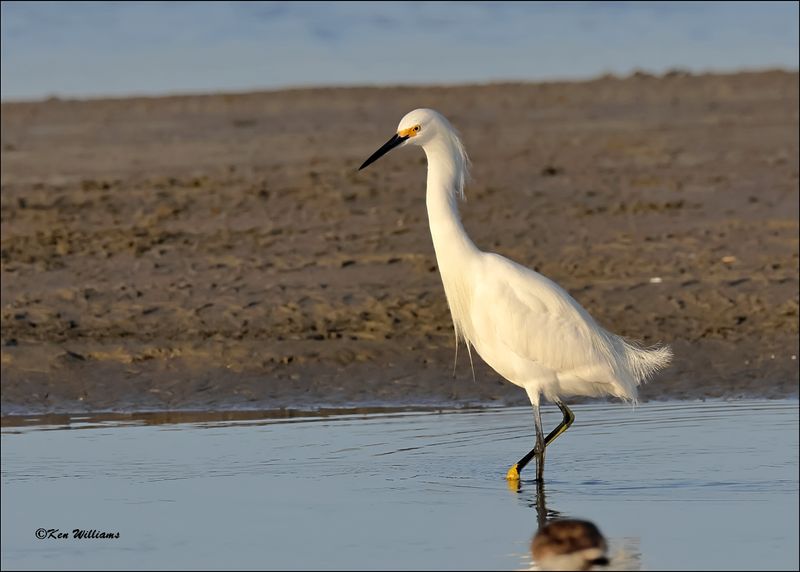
(524, 325)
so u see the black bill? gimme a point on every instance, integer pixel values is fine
(388, 146)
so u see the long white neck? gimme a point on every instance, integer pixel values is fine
(455, 251)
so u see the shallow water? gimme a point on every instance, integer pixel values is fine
(687, 485)
(52, 48)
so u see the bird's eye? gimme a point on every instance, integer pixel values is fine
(416, 129)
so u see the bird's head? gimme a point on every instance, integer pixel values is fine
(418, 127)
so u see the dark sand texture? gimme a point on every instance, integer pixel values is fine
(222, 251)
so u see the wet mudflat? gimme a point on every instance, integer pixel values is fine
(672, 485)
(223, 252)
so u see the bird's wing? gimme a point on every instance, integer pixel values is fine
(537, 320)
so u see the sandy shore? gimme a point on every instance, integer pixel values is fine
(221, 251)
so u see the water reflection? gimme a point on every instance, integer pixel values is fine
(535, 497)
(562, 542)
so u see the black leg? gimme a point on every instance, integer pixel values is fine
(540, 445)
(569, 417)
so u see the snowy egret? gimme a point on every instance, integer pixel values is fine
(525, 326)
(569, 544)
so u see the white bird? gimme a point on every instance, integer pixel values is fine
(524, 325)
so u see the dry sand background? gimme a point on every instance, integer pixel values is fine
(222, 251)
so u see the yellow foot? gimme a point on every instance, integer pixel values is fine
(512, 474)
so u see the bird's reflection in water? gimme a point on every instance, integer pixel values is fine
(564, 543)
(534, 496)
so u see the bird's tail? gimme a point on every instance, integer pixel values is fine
(641, 362)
